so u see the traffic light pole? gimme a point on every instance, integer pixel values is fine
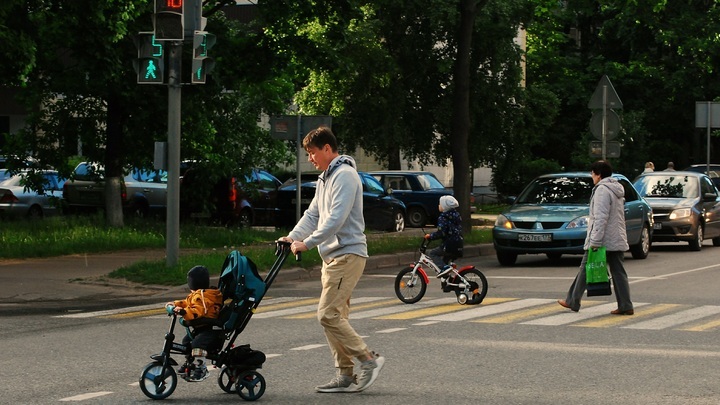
(173, 158)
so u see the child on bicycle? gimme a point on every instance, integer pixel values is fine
(198, 311)
(449, 229)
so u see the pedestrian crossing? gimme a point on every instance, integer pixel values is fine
(494, 310)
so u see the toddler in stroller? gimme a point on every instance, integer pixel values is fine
(240, 290)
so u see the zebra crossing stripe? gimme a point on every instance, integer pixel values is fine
(285, 302)
(608, 321)
(703, 326)
(677, 318)
(526, 313)
(497, 305)
(353, 308)
(399, 307)
(572, 317)
(306, 308)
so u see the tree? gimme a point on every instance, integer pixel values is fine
(80, 85)
(408, 79)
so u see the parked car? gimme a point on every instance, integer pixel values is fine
(142, 191)
(381, 210)
(550, 216)
(686, 206)
(420, 191)
(714, 172)
(18, 200)
(242, 200)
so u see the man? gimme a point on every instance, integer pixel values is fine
(606, 227)
(334, 224)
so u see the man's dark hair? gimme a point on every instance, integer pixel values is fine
(602, 168)
(320, 137)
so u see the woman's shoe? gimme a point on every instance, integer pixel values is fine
(626, 312)
(565, 305)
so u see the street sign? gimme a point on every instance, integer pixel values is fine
(605, 96)
(286, 126)
(612, 149)
(701, 114)
(613, 125)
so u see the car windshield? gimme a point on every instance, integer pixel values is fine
(428, 182)
(668, 186)
(372, 185)
(557, 190)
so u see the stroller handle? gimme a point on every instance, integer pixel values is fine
(281, 246)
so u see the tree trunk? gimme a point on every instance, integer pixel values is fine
(113, 164)
(461, 111)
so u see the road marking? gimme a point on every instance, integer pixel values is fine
(307, 308)
(112, 311)
(309, 347)
(83, 397)
(677, 318)
(518, 315)
(390, 330)
(353, 308)
(464, 309)
(400, 307)
(679, 273)
(572, 317)
(643, 312)
(495, 305)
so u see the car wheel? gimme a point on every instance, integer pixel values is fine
(696, 244)
(399, 222)
(416, 217)
(506, 258)
(642, 249)
(35, 212)
(245, 220)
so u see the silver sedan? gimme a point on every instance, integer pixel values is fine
(18, 199)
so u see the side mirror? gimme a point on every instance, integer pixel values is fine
(708, 197)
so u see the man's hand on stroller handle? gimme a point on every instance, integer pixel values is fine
(296, 247)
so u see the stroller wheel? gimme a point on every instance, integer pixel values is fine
(250, 385)
(227, 380)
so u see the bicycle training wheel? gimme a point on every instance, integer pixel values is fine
(250, 385)
(478, 286)
(156, 383)
(409, 288)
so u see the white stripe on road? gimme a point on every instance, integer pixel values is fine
(585, 313)
(113, 311)
(679, 273)
(677, 318)
(390, 330)
(394, 309)
(479, 312)
(308, 308)
(83, 397)
(308, 347)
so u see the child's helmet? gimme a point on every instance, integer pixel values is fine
(198, 278)
(448, 202)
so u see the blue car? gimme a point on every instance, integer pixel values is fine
(550, 216)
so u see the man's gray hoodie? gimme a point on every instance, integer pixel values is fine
(606, 226)
(334, 220)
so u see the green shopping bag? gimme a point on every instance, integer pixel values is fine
(596, 274)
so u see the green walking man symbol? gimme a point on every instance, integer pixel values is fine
(150, 70)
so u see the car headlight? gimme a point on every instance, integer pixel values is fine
(579, 222)
(681, 213)
(503, 222)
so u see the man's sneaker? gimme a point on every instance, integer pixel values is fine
(341, 383)
(445, 271)
(199, 374)
(369, 370)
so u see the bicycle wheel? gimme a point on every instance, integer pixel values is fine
(477, 290)
(156, 383)
(409, 287)
(251, 385)
(227, 380)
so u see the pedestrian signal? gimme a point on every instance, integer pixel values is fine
(149, 64)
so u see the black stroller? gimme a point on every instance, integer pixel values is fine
(242, 290)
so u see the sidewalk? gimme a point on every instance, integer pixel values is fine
(82, 277)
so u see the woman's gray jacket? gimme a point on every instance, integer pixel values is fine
(606, 225)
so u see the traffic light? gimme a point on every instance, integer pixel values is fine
(202, 64)
(149, 64)
(169, 20)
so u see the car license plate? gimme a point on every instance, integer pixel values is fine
(535, 237)
(657, 225)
